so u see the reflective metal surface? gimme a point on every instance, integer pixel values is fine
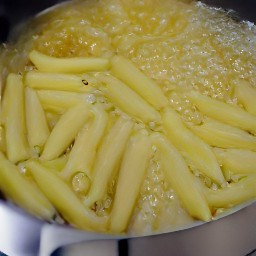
(234, 235)
(21, 235)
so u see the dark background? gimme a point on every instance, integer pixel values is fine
(14, 11)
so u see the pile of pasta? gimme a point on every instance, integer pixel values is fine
(74, 130)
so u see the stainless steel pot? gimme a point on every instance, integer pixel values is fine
(23, 235)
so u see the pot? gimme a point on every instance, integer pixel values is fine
(22, 234)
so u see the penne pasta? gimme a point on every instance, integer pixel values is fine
(22, 191)
(193, 148)
(108, 158)
(181, 179)
(226, 113)
(2, 117)
(56, 164)
(15, 127)
(60, 99)
(80, 65)
(55, 81)
(127, 100)
(234, 194)
(3, 109)
(64, 133)
(131, 175)
(237, 161)
(246, 95)
(63, 198)
(82, 155)
(37, 127)
(222, 135)
(147, 88)
(2, 139)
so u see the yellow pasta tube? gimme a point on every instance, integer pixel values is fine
(2, 139)
(181, 179)
(22, 192)
(246, 95)
(237, 161)
(63, 198)
(65, 131)
(131, 175)
(55, 81)
(234, 194)
(222, 135)
(226, 113)
(197, 151)
(3, 109)
(60, 99)
(108, 157)
(82, 155)
(127, 100)
(76, 65)
(15, 127)
(56, 164)
(2, 132)
(147, 88)
(37, 127)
